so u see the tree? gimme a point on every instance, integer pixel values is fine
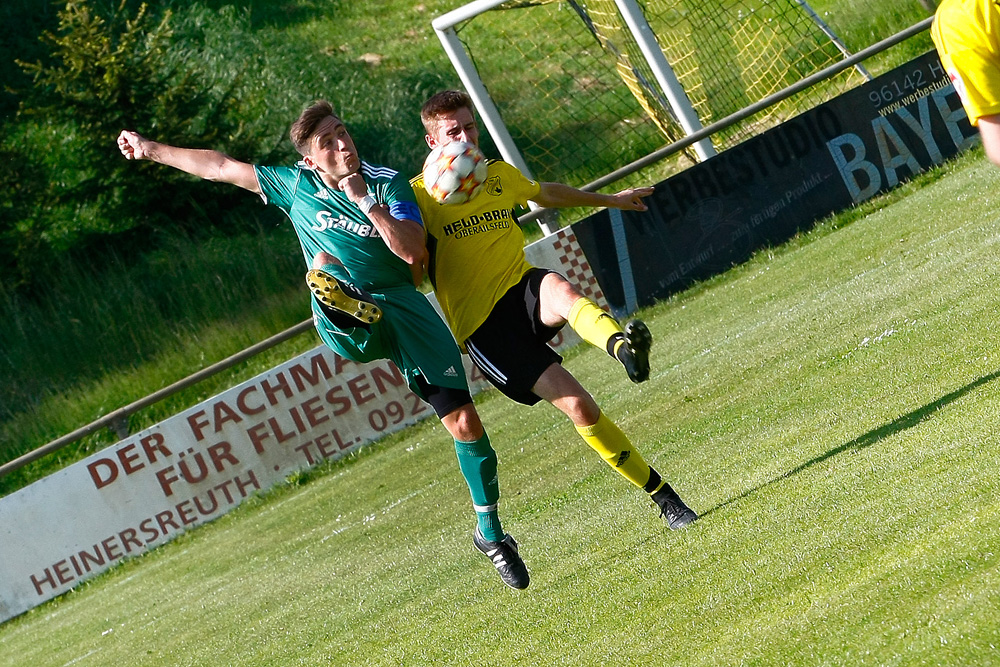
(128, 68)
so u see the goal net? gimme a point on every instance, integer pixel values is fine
(580, 100)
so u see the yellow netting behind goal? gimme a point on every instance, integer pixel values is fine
(580, 100)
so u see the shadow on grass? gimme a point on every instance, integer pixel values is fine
(898, 425)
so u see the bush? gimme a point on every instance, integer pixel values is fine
(105, 261)
(192, 77)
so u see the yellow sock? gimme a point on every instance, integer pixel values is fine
(595, 326)
(617, 451)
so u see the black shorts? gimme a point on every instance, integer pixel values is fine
(510, 347)
(444, 400)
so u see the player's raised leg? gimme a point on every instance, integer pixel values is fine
(561, 302)
(339, 298)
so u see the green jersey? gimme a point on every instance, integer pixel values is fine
(326, 220)
(410, 333)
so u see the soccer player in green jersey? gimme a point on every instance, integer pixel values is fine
(967, 36)
(361, 235)
(504, 311)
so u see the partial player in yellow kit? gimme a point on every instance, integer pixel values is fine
(967, 36)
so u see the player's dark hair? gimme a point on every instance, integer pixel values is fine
(445, 102)
(305, 125)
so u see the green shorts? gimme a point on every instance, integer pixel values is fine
(411, 334)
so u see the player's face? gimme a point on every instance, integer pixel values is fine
(332, 150)
(459, 125)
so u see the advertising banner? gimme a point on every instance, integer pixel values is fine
(192, 468)
(714, 215)
(202, 463)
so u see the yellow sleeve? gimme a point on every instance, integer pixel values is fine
(966, 34)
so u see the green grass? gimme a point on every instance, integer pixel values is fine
(72, 352)
(828, 407)
(110, 335)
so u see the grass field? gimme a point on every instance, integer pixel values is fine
(828, 407)
(62, 366)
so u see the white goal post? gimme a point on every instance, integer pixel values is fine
(444, 26)
(683, 66)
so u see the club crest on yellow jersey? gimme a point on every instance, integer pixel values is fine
(493, 186)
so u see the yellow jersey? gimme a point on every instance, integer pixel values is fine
(967, 36)
(476, 248)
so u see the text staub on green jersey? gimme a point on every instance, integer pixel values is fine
(326, 221)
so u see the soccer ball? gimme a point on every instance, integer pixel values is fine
(454, 173)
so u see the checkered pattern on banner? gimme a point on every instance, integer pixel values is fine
(576, 267)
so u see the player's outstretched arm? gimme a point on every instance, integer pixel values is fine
(208, 164)
(557, 195)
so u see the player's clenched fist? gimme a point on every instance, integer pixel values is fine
(132, 145)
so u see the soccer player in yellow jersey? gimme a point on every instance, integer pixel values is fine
(967, 36)
(504, 311)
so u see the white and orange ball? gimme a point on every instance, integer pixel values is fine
(454, 173)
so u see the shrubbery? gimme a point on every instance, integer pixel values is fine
(101, 259)
(190, 75)
(195, 77)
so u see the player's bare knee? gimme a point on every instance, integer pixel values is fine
(582, 410)
(464, 423)
(322, 258)
(558, 297)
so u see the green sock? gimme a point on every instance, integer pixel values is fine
(478, 462)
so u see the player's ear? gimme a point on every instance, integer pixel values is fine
(309, 161)
(430, 141)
